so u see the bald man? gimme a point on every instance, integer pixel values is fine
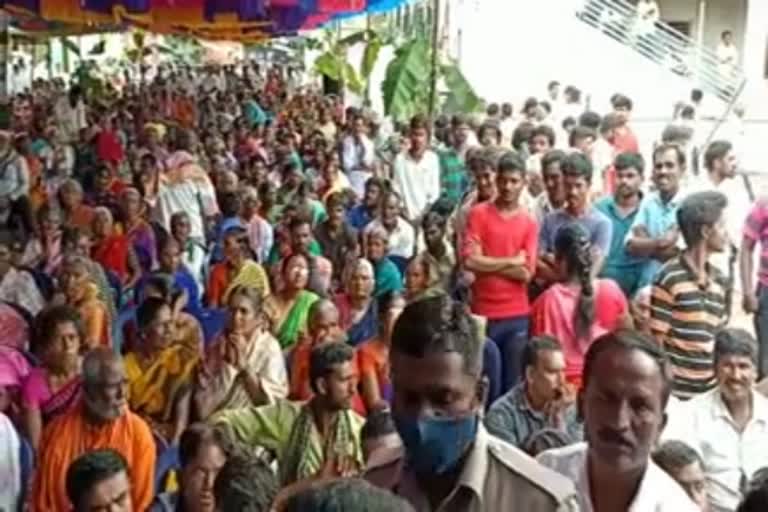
(100, 420)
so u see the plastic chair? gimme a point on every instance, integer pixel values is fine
(126, 315)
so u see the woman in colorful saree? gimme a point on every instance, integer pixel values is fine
(81, 293)
(137, 230)
(112, 250)
(53, 387)
(287, 310)
(373, 355)
(159, 372)
(237, 269)
(357, 307)
(244, 366)
(76, 212)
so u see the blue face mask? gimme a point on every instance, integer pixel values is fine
(434, 445)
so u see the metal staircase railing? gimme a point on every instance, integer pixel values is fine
(664, 45)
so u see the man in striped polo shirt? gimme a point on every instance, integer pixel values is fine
(689, 298)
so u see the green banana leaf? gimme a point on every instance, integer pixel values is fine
(406, 84)
(461, 96)
(370, 56)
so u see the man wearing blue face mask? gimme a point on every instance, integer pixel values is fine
(450, 462)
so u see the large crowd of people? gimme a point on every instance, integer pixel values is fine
(221, 291)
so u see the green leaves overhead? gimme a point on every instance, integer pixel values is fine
(406, 86)
(461, 96)
(70, 45)
(370, 56)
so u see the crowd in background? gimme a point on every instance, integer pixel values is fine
(222, 291)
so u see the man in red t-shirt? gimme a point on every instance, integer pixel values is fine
(625, 140)
(500, 246)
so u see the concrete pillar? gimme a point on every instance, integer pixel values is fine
(755, 40)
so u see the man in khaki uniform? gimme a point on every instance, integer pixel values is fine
(450, 462)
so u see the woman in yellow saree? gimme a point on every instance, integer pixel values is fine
(244, 366)
(160, 372)
(287, 310)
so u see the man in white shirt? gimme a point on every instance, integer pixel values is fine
(357, 155)
(417, 171)
(727, 54)
(625, 390)
(728, 425)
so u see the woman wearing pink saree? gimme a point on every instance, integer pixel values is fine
(53, 387)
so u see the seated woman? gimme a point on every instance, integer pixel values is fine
(137, 230)
(357, 307)
(578, 309)
(287, 310)
(54, 386)
(417, 280)
(43, 251)
(244, 366)
(81, 293)
(186, 331)
(373, 355)
(159, 372)
(112, 250)
(388, 278)
(169, 262)
(75, 212)
(237, 269)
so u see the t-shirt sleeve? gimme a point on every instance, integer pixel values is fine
(603, 233)
(472, 234)
(755, 221)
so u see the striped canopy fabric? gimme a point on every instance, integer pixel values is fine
(241, 20)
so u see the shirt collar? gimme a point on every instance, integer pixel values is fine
(476, 465)
(759, 407)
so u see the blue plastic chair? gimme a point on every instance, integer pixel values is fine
(126, 315)
(167, 462)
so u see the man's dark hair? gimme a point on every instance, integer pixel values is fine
(349, 494)
(489, 125)
(688, 112)
(554, 156)
(698, 210)
(522, 134)
(536, 345)
(195, 437)
(697, 95)
(756, 500)
(621, 101)
(245, 484)
(553, 83)
(511, 162)
(231, 204)
(545, 439)
(590, 119)
(670, 146)
(419, 122)
(627, 160)
(439, 325)
(90, 469)
(674, 455)
(460, 120)
(545, 131)
(433, 218)
(323, 358)
(577, 165)
(732, 341)
(629, 340)
(493, 109)
(378, 424)
(610, 122)
(715, 151)
(580, 133)
(530, 103)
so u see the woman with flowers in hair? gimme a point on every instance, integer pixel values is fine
(577, 309)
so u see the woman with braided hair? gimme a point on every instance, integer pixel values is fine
(578, 308)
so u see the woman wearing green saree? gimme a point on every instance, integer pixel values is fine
(287, 310)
